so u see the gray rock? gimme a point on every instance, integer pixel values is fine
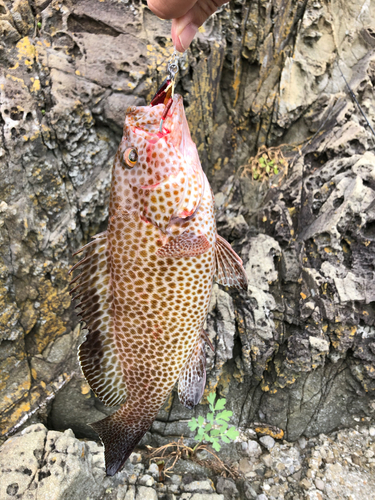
(41, 463)
(198, 486)
(207, 496)
(253, 449)
(154, 470)
(267, 441)
(144, 493)
(147, 480)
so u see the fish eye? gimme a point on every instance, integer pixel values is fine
(131, 157)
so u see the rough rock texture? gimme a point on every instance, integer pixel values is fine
(50, 465)
(298, 350)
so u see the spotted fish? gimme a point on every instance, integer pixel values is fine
(145, 283)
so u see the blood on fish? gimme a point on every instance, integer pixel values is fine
(144, 285)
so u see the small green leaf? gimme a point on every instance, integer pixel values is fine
(198, 438)
(224, 415)
(211, 397)
(275, 170)
(220, 405)
(232, 433)
(225, 439)
(200, 420)
(206, 437)
(270, 163)
(267, 169)
(223, 425)
(215, 432)
(210, 417)
(262, 162)
(216, 446)
(255, 175)
(193, 424)
(200, 432)
(208, 427)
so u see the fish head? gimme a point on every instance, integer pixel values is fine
(157, 171)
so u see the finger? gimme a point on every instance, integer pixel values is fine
(170, 9)
(184, 28)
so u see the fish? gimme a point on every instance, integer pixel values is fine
(144, 285)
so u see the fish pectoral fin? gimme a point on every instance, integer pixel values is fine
(229, 268)
(185, 245)
(192, 378)
(120, 433)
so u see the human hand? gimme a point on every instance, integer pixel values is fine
(187, 15)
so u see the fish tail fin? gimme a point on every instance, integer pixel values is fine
(120, 433)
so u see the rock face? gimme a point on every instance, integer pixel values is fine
(50, 465)
(296, 351)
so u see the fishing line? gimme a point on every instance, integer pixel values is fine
(353, 96)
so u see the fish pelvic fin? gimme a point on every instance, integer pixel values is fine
(99, 362)
(120, 433)
(192, 378)
(229, 268)
(185, 245)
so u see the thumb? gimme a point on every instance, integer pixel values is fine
(185, 28)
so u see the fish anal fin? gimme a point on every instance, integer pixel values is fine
(229, 268)
(185, 245)
(192, 378)
(120, 433)
(99, 362)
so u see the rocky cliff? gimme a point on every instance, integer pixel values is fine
(297, 351)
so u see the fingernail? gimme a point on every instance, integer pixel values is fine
(187, 35)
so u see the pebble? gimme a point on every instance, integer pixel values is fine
(198, 486)
(319, 484)
(267, 441)
(147, 480)
(253, 449)
(144, 493)
(153, 470)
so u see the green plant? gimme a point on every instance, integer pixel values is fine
(266, 163)
(216, 427)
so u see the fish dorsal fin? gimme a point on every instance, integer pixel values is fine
(229, 268)
(185, 245)
(92, 288)
(193, 376)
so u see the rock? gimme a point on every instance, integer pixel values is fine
(144, 493)
(253, 449)
(206, 496)
(17, 469)
(48, 462)
(267, 460)
(319, 484)
(245, 466)
(228, 488)
(267, 441)
(147, 480)
(198, 486)
(154, 471)
(176, 479)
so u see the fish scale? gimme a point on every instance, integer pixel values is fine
(145, 283)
